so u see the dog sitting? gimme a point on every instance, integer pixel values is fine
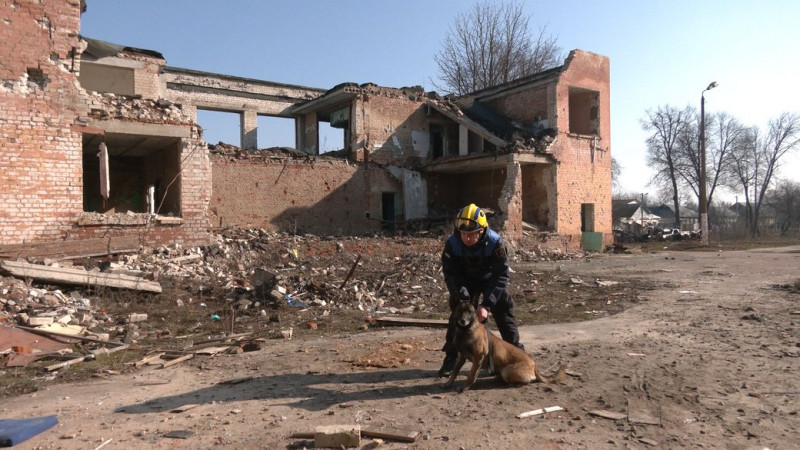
(483, 349)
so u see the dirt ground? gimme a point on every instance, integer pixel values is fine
(691, 348)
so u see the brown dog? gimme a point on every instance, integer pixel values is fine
(480, 346)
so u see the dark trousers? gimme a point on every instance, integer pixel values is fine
(503, 313)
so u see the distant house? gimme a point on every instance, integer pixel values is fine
(736, 217)
(690, 219)
(630, 215)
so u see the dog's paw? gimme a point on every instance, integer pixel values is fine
(462, 389)
(447, 385)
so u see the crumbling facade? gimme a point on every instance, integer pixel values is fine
(101, 140)
(89, 146)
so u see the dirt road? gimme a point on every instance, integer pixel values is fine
(709, 358)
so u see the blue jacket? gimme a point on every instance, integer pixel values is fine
(482, 269)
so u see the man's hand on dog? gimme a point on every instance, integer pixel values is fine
(482, 314)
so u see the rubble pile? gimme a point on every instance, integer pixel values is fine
(252, 283)
(253, 272)
(112, 106)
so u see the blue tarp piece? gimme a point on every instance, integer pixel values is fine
(14, 431)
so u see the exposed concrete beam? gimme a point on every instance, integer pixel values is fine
(219, 92)
(141, 128)
(476, 163)
(471, 125)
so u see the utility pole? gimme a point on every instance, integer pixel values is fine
(703, 194)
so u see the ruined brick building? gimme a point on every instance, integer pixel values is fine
(101, 140)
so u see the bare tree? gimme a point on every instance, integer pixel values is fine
(723, 133)
(758, 159)
(490, 45)
(785, 201)
(783, 136)
(746, 163)
(668, 126)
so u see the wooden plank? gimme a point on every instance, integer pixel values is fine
(184, 408)
(211, 350)
(148, 359)
(78, 248)
(407, 321)
(613, 415)
(537, 412)
(302, 435)
(177, 360)
(71, 336)
(91, 356)
(78, 276)
(394, 434)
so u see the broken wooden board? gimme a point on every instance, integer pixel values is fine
(640, 411)
(394, 434)
(71, 249)
(176, 361)
(68, 336)
(210, 351)
(613, 415)
(407, 321)
(90, 357)
(81, 277)
(184, 408)
(537, 412)
(148, 359)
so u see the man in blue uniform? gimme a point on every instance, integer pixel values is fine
(475, 263)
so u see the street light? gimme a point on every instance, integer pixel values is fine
(703, 195)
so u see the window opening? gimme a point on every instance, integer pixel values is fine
(333, 130)
(219, 126)
(275, 132)
(583, 111)
(437, 140)
(134, 173)
(331, 138)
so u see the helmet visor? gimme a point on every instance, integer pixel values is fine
(464, 224)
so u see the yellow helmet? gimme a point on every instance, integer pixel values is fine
(471, 218)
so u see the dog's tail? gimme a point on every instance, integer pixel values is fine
(559, 376)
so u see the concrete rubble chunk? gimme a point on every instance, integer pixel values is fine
(39, 321)
(136, 317)
(337, 436)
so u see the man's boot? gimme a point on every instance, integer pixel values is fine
(448, 364)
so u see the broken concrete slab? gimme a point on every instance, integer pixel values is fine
(77, 276)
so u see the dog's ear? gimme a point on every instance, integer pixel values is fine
(475, 300)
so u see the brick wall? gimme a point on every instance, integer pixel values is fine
(314, 195)
(525, 106)
(146, 79)
(386, 120)
(40, 184)
(584, 169)
(43, 115)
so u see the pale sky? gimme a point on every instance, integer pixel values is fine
(661, 52)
